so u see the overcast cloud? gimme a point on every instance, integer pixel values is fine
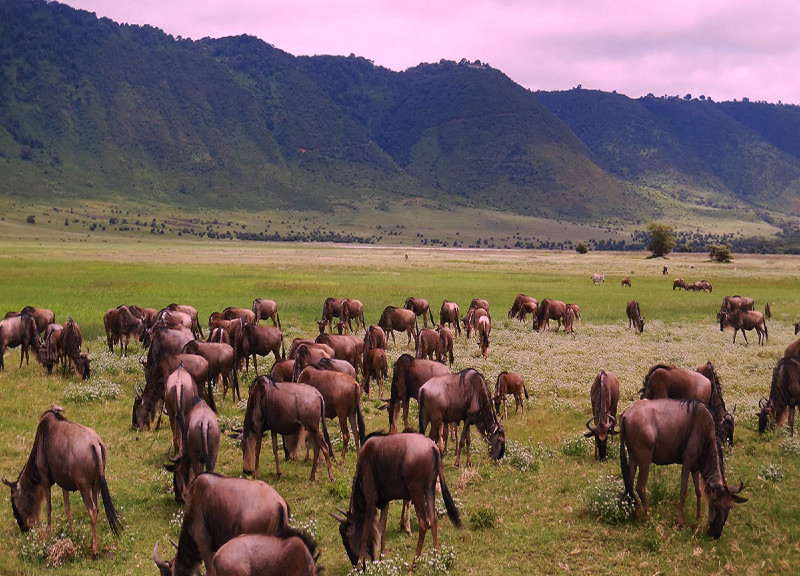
(725, 49)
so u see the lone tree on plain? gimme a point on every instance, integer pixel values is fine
(662, 239)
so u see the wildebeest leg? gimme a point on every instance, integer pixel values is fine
(406, 402)
(67, 509)
(641, 484)
(277, 460)
(354, 429)
(744, 333)
(424, 521)
(684, 490)
(405, 517)
(48, 501)
(89, 496)
(384, 519)
(410, 333)
(697, 492)
(791, 420)
(319, 444)
(345, 435)
(465, 439)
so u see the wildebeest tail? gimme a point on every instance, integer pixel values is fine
(431, 315)
(278, 316)
(360, 416)
(423, 420)
(766, 333)
(108, 505)
(2, 366)
(325, 434)
(207, 458)
(210, 387)
(524, 389)
(451, 356)
(449, 504)
(623, 462)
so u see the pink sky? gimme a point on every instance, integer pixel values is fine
(725, 49)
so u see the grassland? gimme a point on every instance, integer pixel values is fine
(540, 494)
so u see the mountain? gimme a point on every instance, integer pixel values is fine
(91, 110)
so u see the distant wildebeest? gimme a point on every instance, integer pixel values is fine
(353, 309)
(479, 303)
(626, 281)
(120, 324)
(767, 311)
(68, 455)
(679, 283)
(509, 383)
(462, 397)
(784, 393)
(71, 341)
(449, 314)
(665, 270)
(667, 431)
(549, 310)
(20, 330)
(266, 309)
(289, 553)
(635, 319)
(472, 317)
(220, 509)
(597, 279)
(744, 320)
(408, 374)
(331, 308)
(374, 337)
(569, 321)
(420, 307)
(604, 395)
(484, 328)
(706, 286)
(375, 367)
(394, 467)
(446, 338)
(429, 345)
(247, 315)
(43, 316)
(345, 347)
(522, 306)
(731, 303)
(400, 320)
(52, 346)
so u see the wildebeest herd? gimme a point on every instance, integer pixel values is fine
(241, 526)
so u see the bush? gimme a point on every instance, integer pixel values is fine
(720, 253)
(606, 500)
(582, 248)
(483, 518)
(662, 239)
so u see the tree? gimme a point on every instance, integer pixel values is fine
(662, 239)
(720, 253)
(582, 248)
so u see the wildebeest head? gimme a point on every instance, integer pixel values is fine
(321, 324)
(722, 317)
(720, 500)
(351, 528)
(640, 324)
(497, 442)
(728, 425)
(141, 418)
(82, 365)
(180, 469)
(165, 567)
(764, 414)
(25, 504)
(601, 431)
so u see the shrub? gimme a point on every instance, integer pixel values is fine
(606, 500)
(720, 253)
(483, 518)
(582, 248)
(521, 457)
(577, 445)
(773, 472)
(662, 239)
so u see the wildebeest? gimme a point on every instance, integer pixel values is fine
(784, 393)
(446, 337)
(263, 340)
(626, 281)
(665, 270)
(220, 509)
(569, 321)
(52, 346)
(248, 316)
(353, 309)
(195, 327)
(706, 286)
(420, 307)
(597, 279)
(429, 345)
(744, 320)
(604, 395)
(20, 330)
(163, 341)
(375, 367)
(68, 455)
(509, 383)
(374, 337)
(522, 306)
(264, 309)
(43, 316)
(792, 349)
(667, 431)
(71, 341)
(120, 324)
(306, 355)
(345, 347)
(472, 317)
(449, 314)
(289, 553)
(679, 283)
(342, 395)
(635, 319)
(221, 362)
(549, 310)
(200, 435)
(331, 308)
(767, 311)
(408, 374)
(399, 319)
(479, 303)
(179, 391)
(283, 408)
(282, 371)
(454, 398)
(484, 327)
(394, 467)
(731, 303)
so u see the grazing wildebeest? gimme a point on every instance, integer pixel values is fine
(289, 553)
(597, 279)
(449, 314)
(220, 336)
(679, 283)
(509, 383)
(266, 309)
(471, 319)
(394, 467)
(263, 340)
(484, 327)
(446, 337)
(784, 393)
(604, 395)
(576, 310)
(20, 330)
(408, 374)
(767, 311)
(453, 398)
(221, 362)
(311, 343)
(146, 315)
(731, 303)
(331, 308)
(522, 306)
(120, 324)
(723, 420)
(200, 440)
(248, 316)
(179, 392)
(283, 408)
(173, 318)
(399, 319)
(667, 431)
(635, 319)
(352, 308)
(345, 347)
(420, 307)
(195, 327)
(306, 355)
(375, 366)
(706, 286)
(429, 345)
(68, 455)
(374, 337)
(479, 303)
(282, 371)
(549, 310)
(43, 316)
(664, 381)
(220, 509)
(569, 321)
(163, 341)
(626, 281)
(52, 345)
(665, 270)
(71, 341)
(744, 320)
(342, 395)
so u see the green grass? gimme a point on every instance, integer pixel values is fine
(540, 497)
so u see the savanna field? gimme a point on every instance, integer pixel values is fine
(546, 508)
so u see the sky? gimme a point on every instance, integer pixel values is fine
(722, 49)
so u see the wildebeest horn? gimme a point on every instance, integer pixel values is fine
(171, 541)
(739, 489)
(592, 429)
(7, 483)
(762, 402)
(340, 519)
(734, 409)
(157, 559)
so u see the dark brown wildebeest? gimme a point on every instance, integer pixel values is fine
(522, 306)
(446, 337)
(179, 392)
(429, 345)
(263, 340)
(604, 395)
(175, 318)
(200, 437)
(784, 393)
(454, 398)
(635, 319)
(667, 431)
(221, 362)
(345, 347)
(247, 315)
(146, 315)
(695, 286)
(283, 408)
(549, 310)
(20, 330)
(449, 314)
(374, 337)
(220, 509)
(731, 303)
(626, 281)
(723, 420)
(408, 374)
(744, 320)
(471, 319)
(679, 283)
(311, 343)
(331, 308)
(266, 309)
(399, 319)
(484, 328)
(706, 286)
(120, 324)
(569, 321)
(163, 341)
(342, 395)
(289, 553)
(767, 311)
(336, 365)
(71, 341)
(509, 383)
(665, 270)
(394, 467)
(375, 366)
(420, 307)
(195, 327)
(576, 310)
(282, 371)
(68, 455)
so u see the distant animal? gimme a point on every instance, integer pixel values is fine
(374, 337)
(179, 392)
(472, 317)
(221, 363)
(52, 346)
(449, 315)
(351, 309)
(220, 509)
(767, 311)
(509, 383)
(262, 341)
(120, 324)
(484, 329)
(289, 553)
(667, 431)
(400, 320)
(394, 467)
(71, 341)
(576, 310)
(331, 308)
(744, 320)
(408, 374)
(665, 270)
(479, 303)
(679, 283)
(604, 395)
(731, 303)
(345, 347)
(569, 321)
(626, 281)
(68, 455)
(784, 394)
(420, 307)
(194, 325)
(635, 319)
(266, 309)
(43, 316)
(522, 306)
(247, 315)
(549, 310)
(597, 279)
